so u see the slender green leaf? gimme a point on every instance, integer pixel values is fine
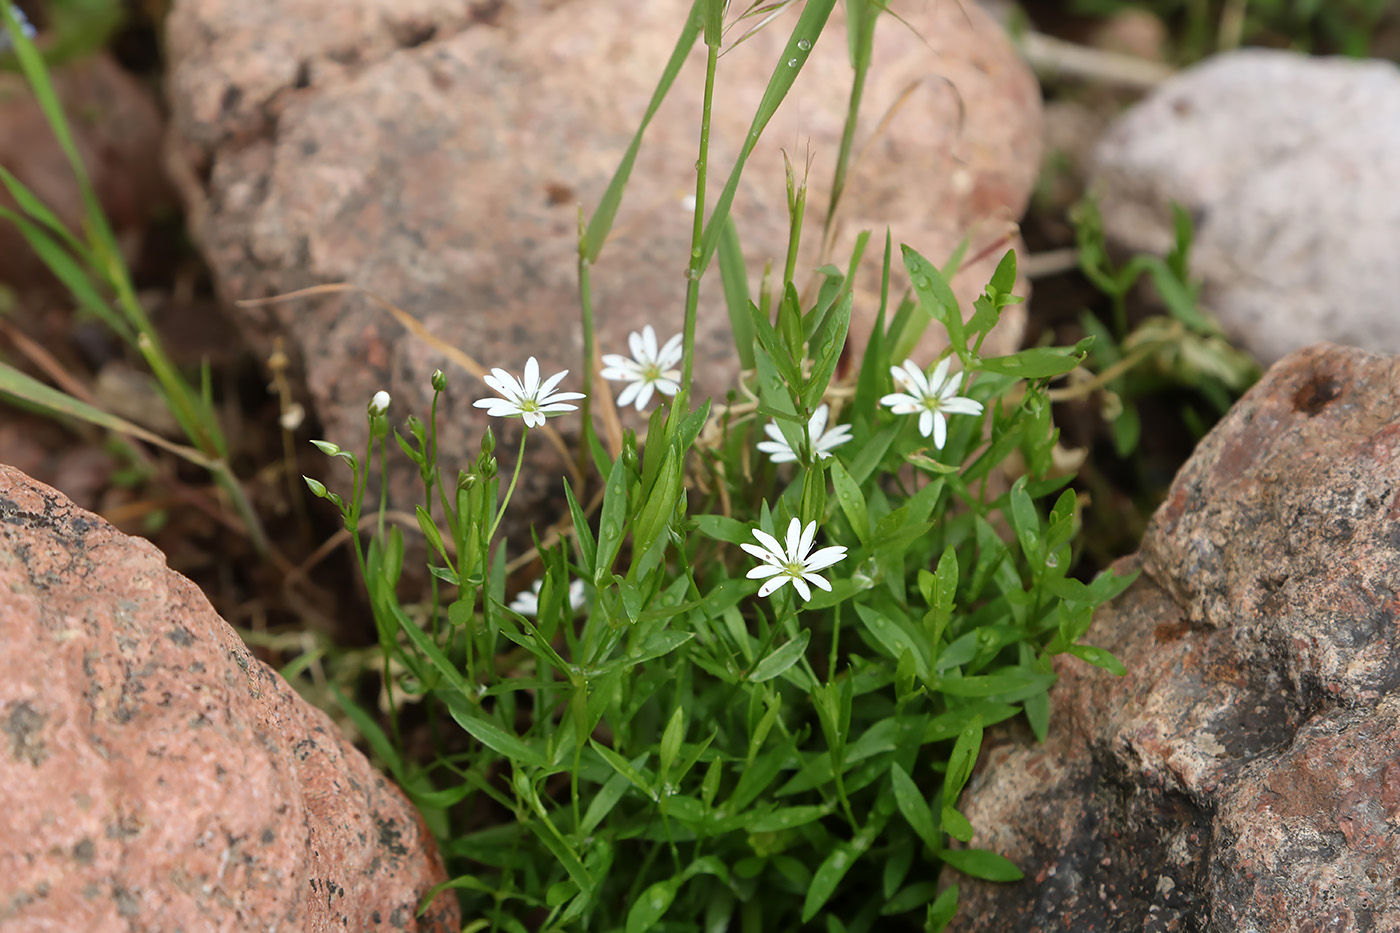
(851, 500)
(494, 737)
(914, 806)
(783, 658)
(734, 277)
(1099, 657)
(610, 526)
(805, 35)
(652, 905)
(588, 547)
(980, 863)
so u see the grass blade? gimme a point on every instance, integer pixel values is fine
(790, 64)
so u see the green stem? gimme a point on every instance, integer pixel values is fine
(702, 165)
(510, 490)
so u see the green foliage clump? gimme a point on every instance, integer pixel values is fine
(661, 737)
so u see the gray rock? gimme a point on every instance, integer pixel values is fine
(154, 775)
(1290, 167)
(1245, 773)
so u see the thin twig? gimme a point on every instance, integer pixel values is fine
(1054, 58)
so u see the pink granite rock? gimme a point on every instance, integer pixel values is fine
(1245, 774)
(439, 158)
(155, 776)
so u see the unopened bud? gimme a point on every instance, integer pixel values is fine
(380, 403)
(439, 380)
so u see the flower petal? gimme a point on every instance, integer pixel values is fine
(671, 352)
(773, 584)
(634, 343)
(763, 570)
(531, 382)
(926, 422)
(649, 342)
(940, 429)
(825, 557)
(940, 375)
(801, 586)
(498, 407)
(769, 542)
(549, 384)
(794, 537)
(761, 553)
(817, 581)
(962, 406)
(805, 544)
(644, 397)
(817, 423)
(916, 378)
(629, 394)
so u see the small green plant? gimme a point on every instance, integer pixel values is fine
(753, 677)
(91, 266)
(1184, 348)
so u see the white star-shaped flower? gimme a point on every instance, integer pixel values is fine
(527, 602)
(530, 399)
(650, 369)
(793, 563)
(823, 440)
(932, 397)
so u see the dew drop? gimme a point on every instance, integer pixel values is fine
(804, 44)
(1051, 560)
(792, 63)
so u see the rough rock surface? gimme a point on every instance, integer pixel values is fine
(437, 152)
(1289, 166)
(155, 776)
(1245, 774)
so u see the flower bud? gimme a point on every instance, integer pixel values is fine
(439, 380)
(488, 442)
(380, 403)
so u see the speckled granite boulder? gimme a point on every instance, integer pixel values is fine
(154, 776)
(1289, 166)
(1245, 774)
(438, 156)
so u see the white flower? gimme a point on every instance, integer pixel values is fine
(527, 603)
(793, 563)
(822, 439)
(932, 397)
(531, 399)
(380, 403)
(648, 369)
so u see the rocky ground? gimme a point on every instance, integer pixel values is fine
(436, 154)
